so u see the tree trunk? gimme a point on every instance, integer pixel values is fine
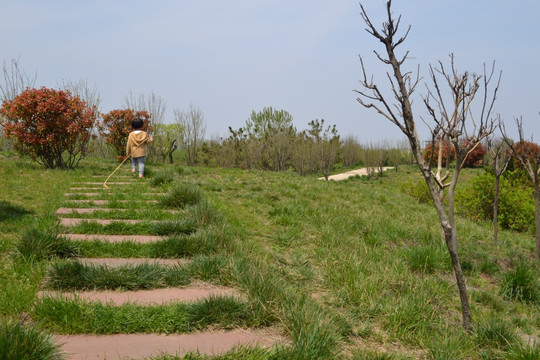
(496, 209)
(451, 243)
(450, 238)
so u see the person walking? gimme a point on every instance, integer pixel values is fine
(136, 146)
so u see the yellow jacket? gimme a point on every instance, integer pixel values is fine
(135, 139)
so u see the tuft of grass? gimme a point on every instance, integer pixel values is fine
(238, 353)
(208, 240)
(18, 342)
(72, 275)
(181, 196)
(521, 284)
(524, 352)
(163, 177)
(38, 243)
(427, 259)
(72, 316)
(175, 227)
(205, 214)
(496, 334)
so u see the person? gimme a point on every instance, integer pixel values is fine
(136, 146)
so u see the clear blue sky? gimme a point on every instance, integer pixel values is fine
(232, 57)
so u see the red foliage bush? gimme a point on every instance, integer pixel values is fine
(526, 149)
(448, 151)
(476, 157)
(116, 126)
(51, 126)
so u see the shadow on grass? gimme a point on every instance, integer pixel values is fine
(9, 211)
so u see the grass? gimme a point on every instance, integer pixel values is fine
(73, 275)
(71, 316)
(352, 269)
(18, 342)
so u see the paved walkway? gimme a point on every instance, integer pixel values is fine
(348, 174)
(135, 346)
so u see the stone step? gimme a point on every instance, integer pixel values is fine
(76, 221)
(141, 239)
(71, 210)
(138, 346)
(109, 183)
(89, 188)
(117, 262)
(105, 202)
(64, 211)
(103, 193)
(115, 176)
(190, 293)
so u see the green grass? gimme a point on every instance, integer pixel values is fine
(352, 269)
(73, 275)
(18, 342)
(171, 227)
(70, 316)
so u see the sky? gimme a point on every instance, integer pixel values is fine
(229, 58)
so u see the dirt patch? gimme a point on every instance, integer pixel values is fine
(138, 346)
(148, 297)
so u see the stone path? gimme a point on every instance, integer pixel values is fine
(137, 346)
(348, 174)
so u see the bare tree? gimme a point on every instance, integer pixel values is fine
(81, 89)
(194, 128)
(16, 80)
(528, 154)
(92, 98)
(497, 150)
(450, 123)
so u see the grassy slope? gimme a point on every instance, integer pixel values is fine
(362, 249)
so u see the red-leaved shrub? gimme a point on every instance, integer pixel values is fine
(51, 126)
(447, 151)
(476, 156)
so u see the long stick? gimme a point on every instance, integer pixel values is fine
(122, 163)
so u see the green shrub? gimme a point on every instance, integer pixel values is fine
(18, 342)
(521, 284)
(417, 189)
(516, 202)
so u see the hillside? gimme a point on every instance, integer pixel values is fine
(353, 269)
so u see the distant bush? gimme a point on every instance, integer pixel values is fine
(476, 156)
(417, 189)
(448, 152)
